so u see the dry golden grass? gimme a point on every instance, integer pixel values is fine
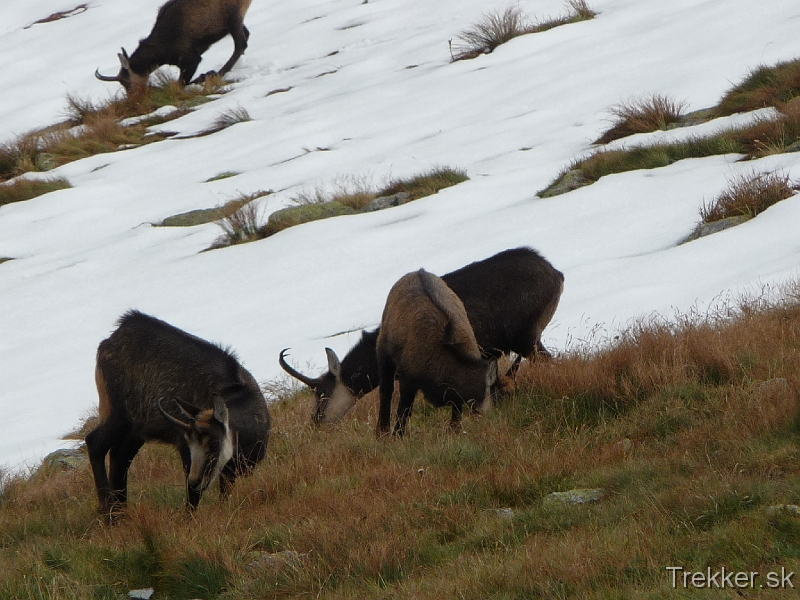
(497, 28)
(764, 86)
(691, 428)
(25, 189)
(91, 129)
(748, 195)
(652, 113)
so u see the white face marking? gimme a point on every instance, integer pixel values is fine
(199, 456)
(340, 402)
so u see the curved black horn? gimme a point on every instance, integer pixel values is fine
(105, 77)
(169, 417)
(312, 383)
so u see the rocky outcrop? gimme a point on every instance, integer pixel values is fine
(571, 180)
(705, 229)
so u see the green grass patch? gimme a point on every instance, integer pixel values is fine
(24, 189)
(763, 138)
(777, 86)
(209, 215)
(348, 196)
(426, 184)
(357, 193)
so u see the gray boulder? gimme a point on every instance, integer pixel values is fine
(386, 202)
(705, 229)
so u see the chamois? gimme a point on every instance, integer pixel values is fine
(509, 298)
(183, 31)
(427, 343)
(157, 382)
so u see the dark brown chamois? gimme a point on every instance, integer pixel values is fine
(157, 382)
(509, 298)
(183, 31)
(427, 343)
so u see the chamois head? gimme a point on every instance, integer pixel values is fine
(135, 84)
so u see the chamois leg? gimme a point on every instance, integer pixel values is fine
(188, 67)
(240, 35)
(456, 416)
(387, 370)
(119, 462)
(408, 390)
(98, 442)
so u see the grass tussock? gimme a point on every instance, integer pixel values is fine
(24, 189)
(352, 191)
(497, 28)
(604, 162)
(764, 86)
(228, 118)
(91, 129)
(690, 427)
(240, 226)
(748, 195)
(347, 196)
(777, 86)
(765, 137)
(357, 192)
(642, 115)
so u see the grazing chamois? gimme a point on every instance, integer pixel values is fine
(157, 382)
(509, 298)
(336, 391)
(183, 31)
(427, 343)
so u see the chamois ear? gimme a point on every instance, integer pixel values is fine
(124, 61)
(334, 366)
(220, 410)
(491, 373)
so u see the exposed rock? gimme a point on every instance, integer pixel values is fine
(577, 496)
(771, 384)
(143, 594)
(784, 509)
(705, 229)
(504, 513)
(794, 147)
(572, 180)
(192, 218)
(64, 459)
(387, 202)
(693, 118)
(44, 161)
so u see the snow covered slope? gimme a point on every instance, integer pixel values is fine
(373, 95)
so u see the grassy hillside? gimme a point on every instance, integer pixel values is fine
(690, 430)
